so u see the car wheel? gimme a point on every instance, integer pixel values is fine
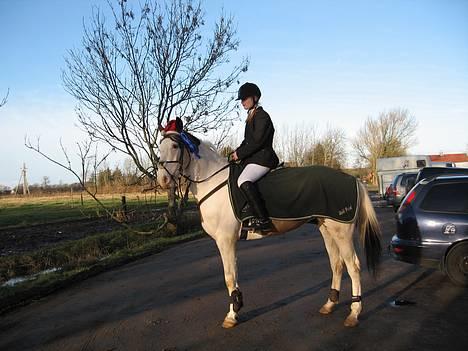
(457, 264)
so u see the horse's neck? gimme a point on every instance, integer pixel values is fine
(202, 168)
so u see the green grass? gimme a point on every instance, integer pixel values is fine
(84, 251)
(26, 211)
(24, 292)
(84, 257)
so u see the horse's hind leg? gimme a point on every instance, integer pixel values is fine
(336, 264)
(227, 248)
(344, 240)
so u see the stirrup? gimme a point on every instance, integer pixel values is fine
(261, 224)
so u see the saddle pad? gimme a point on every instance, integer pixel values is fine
(294, 193)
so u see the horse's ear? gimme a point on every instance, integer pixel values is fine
(179, 125)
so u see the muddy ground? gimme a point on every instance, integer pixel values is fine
(25, 239)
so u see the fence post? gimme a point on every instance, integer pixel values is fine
(124, 205)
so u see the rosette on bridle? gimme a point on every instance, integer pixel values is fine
(190, 142)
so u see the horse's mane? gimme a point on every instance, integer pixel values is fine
(208, 151)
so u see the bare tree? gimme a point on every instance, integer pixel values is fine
(4, 100)
(391, 134)
(292, 143)
(91, 159)
(334, 147)
(45, 182)
(150, 65)
(329, 149)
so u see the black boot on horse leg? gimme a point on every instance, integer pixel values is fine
(262, 222)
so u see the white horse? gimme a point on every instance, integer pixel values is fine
(206, 176)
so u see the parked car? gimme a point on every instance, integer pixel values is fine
(432, 226)
(387, 192)
(399, 188)
(429, 172)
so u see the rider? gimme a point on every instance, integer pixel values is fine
(256, 153)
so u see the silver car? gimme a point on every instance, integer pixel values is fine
(401, 184)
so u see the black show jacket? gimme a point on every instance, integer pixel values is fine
(257, 146)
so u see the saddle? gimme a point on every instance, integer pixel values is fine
(299, 193)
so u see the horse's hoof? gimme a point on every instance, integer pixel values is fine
(326, 310)
(351, 321)
(229, 323)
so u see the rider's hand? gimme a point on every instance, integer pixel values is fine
(234, 156)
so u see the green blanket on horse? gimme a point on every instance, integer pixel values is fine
(293, 193)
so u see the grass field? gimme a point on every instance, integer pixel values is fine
(86, 255)
(30, 210)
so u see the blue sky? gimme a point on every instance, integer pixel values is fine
(317, 62)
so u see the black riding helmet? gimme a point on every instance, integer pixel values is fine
(248, 89)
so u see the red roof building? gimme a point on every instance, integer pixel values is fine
(455, 158)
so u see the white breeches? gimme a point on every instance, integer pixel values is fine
(251, 173)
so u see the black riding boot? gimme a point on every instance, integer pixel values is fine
(253, 197)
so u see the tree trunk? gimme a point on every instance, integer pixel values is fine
(172, 210)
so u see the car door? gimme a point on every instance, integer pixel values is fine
(443, 213)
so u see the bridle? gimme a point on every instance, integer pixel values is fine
(180, 161)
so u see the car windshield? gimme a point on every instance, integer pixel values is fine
(407, 178)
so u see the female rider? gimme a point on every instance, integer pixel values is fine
(256, 153)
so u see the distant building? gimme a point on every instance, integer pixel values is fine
(389, 167)
(458, 160)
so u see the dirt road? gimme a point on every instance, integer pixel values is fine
(176, 300)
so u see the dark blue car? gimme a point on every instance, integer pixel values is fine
(432, 226)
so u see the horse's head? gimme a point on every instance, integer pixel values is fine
(170, 159)
(175, 150)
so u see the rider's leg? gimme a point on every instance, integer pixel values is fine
(246, 182)
(251, 173)
(262, 222)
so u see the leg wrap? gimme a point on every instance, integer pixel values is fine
(356, 299)
(236, 299)
(334, 295)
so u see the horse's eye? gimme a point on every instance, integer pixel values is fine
(175, 146)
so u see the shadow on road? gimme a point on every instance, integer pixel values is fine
(283, 302)
(247, 316)
(364, 316)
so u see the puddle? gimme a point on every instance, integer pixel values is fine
(17, 280)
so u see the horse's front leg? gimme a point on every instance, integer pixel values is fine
(227, 248)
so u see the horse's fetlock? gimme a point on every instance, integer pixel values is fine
(334, 295)
(237, 300)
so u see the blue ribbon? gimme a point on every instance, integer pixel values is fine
(193, 148)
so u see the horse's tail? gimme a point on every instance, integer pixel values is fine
(369, 230)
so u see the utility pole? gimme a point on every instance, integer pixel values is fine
(23, 178)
